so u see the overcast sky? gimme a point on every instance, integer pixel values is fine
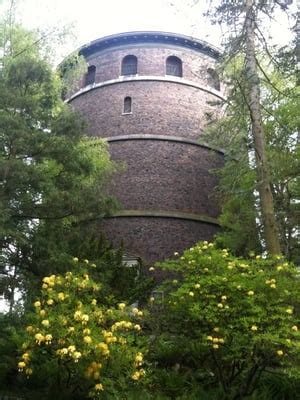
(92, 19)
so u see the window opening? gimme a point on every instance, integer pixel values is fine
(129, 65)
(90, 75)
(174, 66)
(213, 79)
(127, 105)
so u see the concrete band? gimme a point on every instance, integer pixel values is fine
(165, 138)
(164, 214)
(144, 78)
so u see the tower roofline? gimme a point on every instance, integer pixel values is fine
(144, 37)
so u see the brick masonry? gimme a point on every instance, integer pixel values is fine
(159, 175)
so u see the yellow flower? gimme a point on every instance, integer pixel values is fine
(191, 294)
(216, 329)
(175, 281)
(29, 329)
(197, 286)
(28, 371)
(94, 302)
(289, 311)
(87, 339)
(39, 338)
(37, 304)
(280, 353)
(86, 331)
(103, 347)
(273, 286)
(139, 360)
(135, 311)
(99, 387)
(71, 348)
(121, 306)
(224, 298)
(254, 328)
(50, 302)
(84, 319)
(220, 305)
(136, 376)
(21, 365)
(61, 296)
(215, 346)
(137, 327)
(176, 253)
(152, 299)
(295, 328)
(250, 293)
(76, 355)
(26, 357)
(75, 259)
(42, 313)
(151, 269)
(71, 329)
(45, 323)
(209, 338)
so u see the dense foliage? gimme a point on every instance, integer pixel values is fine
(225, 323)
(78, 343)
(52, 177)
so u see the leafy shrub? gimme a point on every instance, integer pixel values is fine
(78, 346)
(231, 320)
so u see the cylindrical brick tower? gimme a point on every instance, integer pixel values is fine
(151, 94)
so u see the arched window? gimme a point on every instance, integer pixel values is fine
(174, 66)
(213, 79)
(129, 65)
(90, 75)
(127, 109)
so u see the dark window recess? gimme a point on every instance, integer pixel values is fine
(90, 75)
(127, 105)
(174, 66)
(213, 79)
(129, 65)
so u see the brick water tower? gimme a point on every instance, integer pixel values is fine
(151, 95)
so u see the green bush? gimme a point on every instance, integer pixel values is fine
(77, 346)
(225, 323)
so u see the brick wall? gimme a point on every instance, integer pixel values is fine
(151, 61)
(156, 238)
(164, 108)
(166, 176)
(163, 176)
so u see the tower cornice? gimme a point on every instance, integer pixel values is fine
(152, 37)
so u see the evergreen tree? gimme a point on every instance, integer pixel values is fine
(51, 175)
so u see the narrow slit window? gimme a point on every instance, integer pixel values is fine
(127, 105)
(213, 79)
(174, 66)
(90, 76)
(129, 65)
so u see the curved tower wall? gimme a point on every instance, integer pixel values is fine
(167, 189)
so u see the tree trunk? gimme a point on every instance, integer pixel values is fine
(263, 174)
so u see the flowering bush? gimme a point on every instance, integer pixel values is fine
(76, 343)
(226, 321)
